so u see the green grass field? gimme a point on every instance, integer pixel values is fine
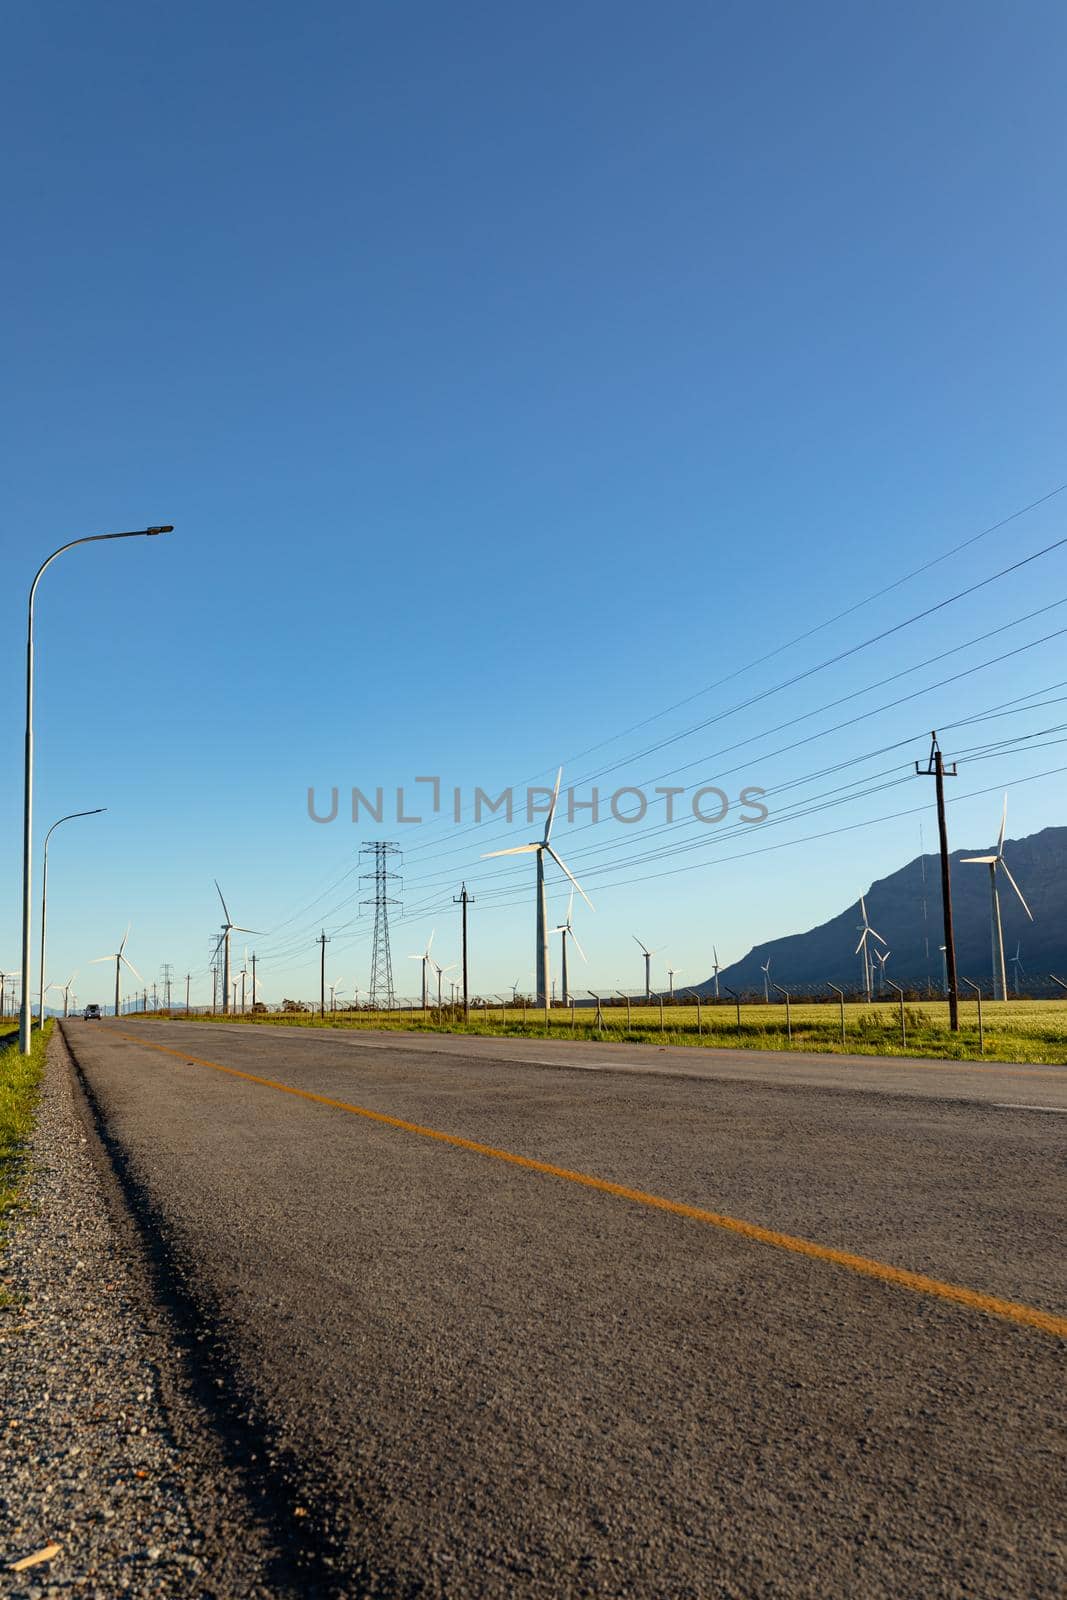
(1016, 1030)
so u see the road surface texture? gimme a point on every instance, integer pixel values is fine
(730, 1326)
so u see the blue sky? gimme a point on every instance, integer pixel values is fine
(510, 377)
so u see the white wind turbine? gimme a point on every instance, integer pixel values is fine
(228, 927)
(648, 954)
(765, 968)
(882, 957)
(542, 847)
(867, 932)
(66, 993)
(993, 862)
(427, 960)
(120, 961)
(567, 932)
(716, 969)
(440, 971)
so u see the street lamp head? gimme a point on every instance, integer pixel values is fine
(166, 528)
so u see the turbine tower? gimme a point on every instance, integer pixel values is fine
(881, 956)
(716, 969)
(425, 958)
(120, 960)
(1000, 978)
(228, 927)
(765, 968)
(567, 932)
(648, 954)
(867, 932)
(542, 847)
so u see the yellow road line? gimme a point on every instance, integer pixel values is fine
(899, 1277)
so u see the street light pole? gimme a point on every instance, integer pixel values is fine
(25, 1013)
(44, 890)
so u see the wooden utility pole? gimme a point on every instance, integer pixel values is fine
(253, 980)
(322, 941)
(188, 981)
(464, 899)
(935, 768)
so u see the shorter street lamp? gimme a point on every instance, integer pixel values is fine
(44, 889)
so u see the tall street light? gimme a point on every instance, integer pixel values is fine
(44, 890)
(25, 1013)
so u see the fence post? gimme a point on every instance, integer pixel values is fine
(788, 1018)
(981, 1032)
(840, 993)
(903, 1027)
(661, 1013)
(737, 1002)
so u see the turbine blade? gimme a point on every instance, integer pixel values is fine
(981, 861)
(516, 850)
(429, 941)
(552, 808)
(235, 927)
(95, 962)
(127, 963)
(863, 941)
(1018, 891)
(1003, 826)
(644, 947)
(225, 908)
(571, 876)
(877, 936)
(125, 936)
(578, 947)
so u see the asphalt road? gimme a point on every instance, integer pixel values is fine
(461, 1374)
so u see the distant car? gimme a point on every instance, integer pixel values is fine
(92, 1013)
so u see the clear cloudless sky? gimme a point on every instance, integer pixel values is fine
(510, 375)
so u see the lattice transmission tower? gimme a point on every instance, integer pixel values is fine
(382, 994)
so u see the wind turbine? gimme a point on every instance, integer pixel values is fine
(542, 847)
(881, 956)
(765, 968)
(867, 932)
(66, 992)
(228, 927)
(440, 971)
(716, 969)
(648, 966)
(568, 932)
(993, 862)
(120, 960)
(1016, 962)
(426, 960)
(670, 983)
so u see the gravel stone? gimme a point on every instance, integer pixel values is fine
(103, 1449)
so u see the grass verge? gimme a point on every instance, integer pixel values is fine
(20, 1080)
(1031, 1032)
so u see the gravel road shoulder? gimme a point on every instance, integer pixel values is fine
(105, 1450)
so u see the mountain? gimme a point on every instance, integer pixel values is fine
(895, 906)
